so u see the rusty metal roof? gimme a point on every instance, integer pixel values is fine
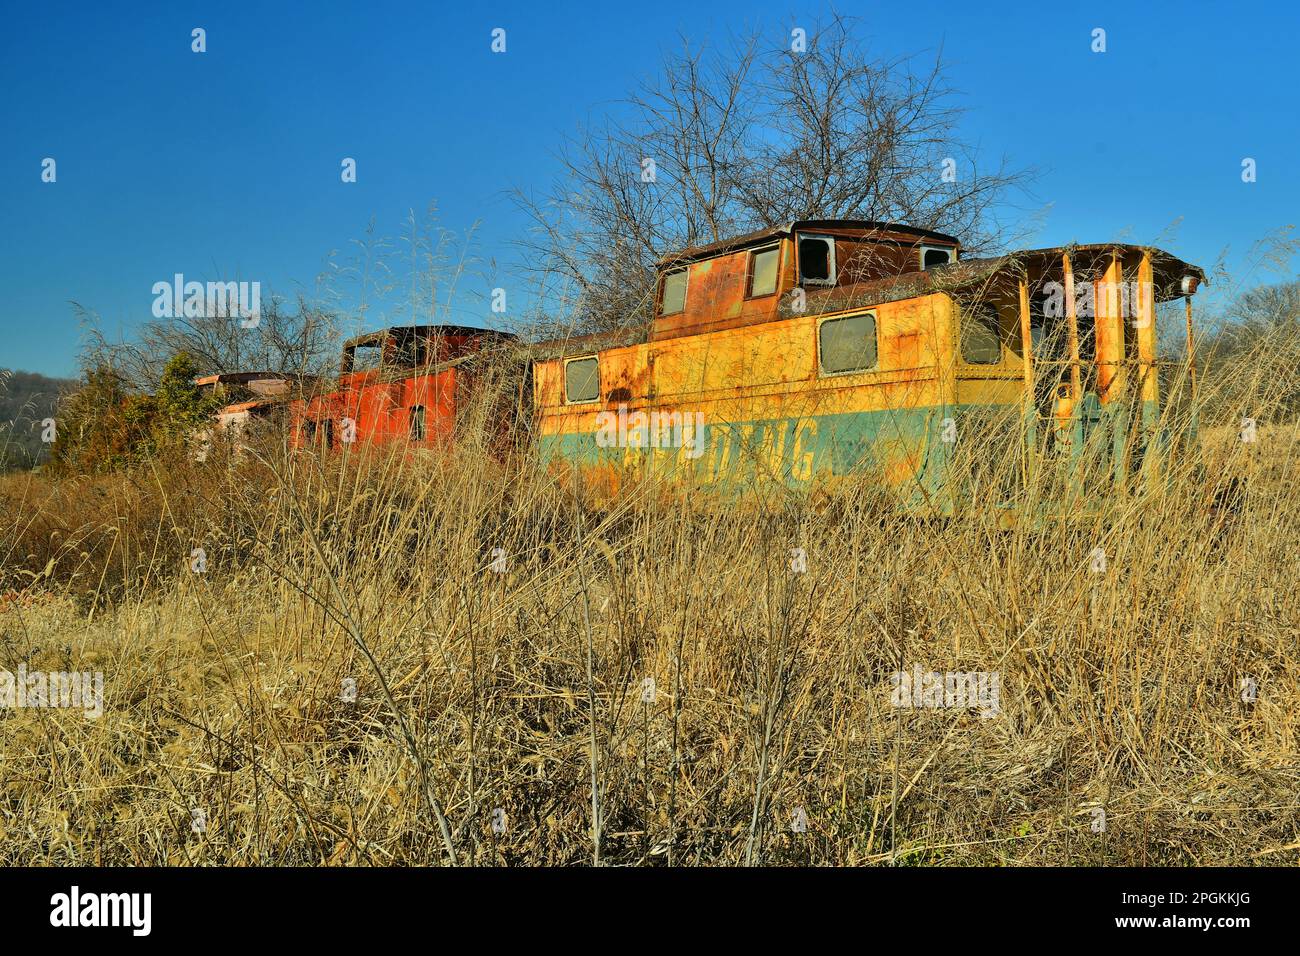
(223, 378)
(583, 344)
(801, 225)
(424, 330)
(247, 406)
(1164, 263)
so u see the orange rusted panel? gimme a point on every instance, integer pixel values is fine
(1144, 326)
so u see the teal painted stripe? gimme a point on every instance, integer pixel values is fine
(796, 452)
(903, 451)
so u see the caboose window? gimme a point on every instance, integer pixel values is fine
(674, 294)
(410, 352)
(981, 338)
(762, 271)
(364, 357)
(847, 344)
(932, 256)
(581, 380)
(417, 423)
(817, 260)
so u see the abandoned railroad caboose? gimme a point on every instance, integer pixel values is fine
(250, 396)
(252, 400)
(821, 352)
(407, 383)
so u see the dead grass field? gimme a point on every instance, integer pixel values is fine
(505, 718)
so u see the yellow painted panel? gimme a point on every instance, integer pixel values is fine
(766, 371)
(993, 391)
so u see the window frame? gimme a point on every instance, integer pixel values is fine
(686, 289)
(822, 371)
(950, 250)
(749, 271)
(997, 335)
(832, 263)
(350, 360)
(565, 379)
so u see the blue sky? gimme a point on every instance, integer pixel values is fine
(226, 164)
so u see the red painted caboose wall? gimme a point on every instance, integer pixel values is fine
(381, 401)
(382, 410)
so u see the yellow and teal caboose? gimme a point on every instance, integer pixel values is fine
(830, 352)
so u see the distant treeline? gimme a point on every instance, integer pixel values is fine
(26, 399)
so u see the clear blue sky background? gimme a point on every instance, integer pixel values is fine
(227, 164)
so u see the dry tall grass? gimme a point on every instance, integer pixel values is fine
(507, 718)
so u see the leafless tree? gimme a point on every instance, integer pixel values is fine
(1269, 307)
(283, 339)
(726, 141)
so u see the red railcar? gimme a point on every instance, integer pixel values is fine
(406, 383)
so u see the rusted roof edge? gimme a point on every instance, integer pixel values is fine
(695, 253)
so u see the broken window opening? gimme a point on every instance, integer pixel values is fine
(365, 356)
(981, 335)
(932, 256)
(817, 260)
